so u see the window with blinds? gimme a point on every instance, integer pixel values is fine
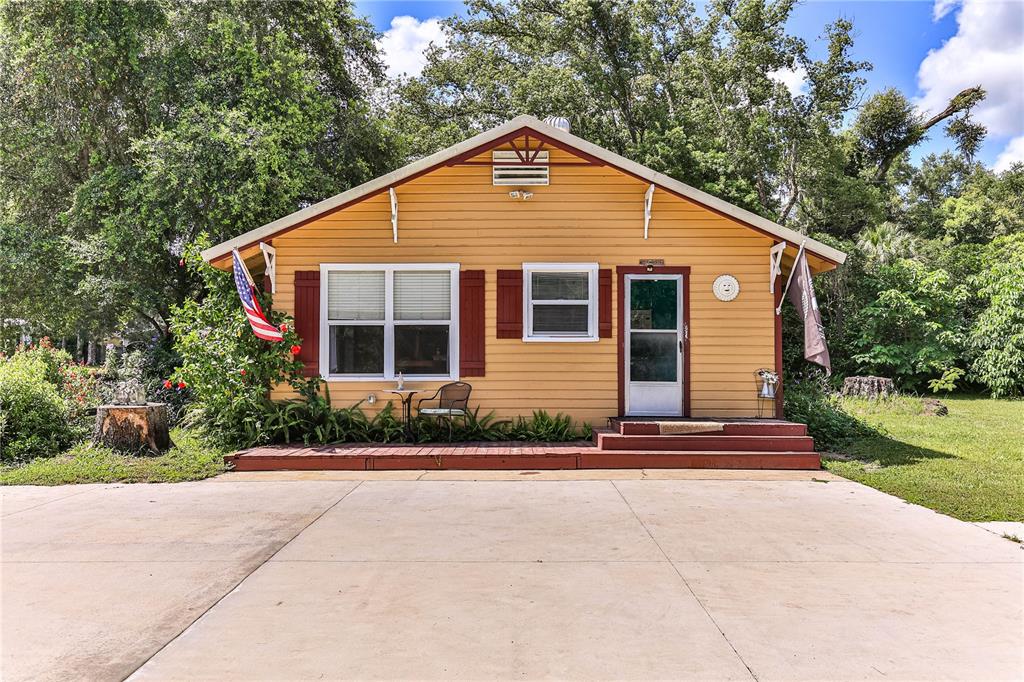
(561, 301)
(423, 295)
(355, 295)
(385, 320)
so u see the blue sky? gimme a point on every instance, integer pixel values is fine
(928, 49)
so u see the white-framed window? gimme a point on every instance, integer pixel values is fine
(379, 320)
(560, 301)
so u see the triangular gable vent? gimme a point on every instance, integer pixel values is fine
(508, 169)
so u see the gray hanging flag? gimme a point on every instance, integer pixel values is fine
(801, 295)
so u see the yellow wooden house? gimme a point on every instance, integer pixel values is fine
(546, 271)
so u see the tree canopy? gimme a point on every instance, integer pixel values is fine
(133, 130)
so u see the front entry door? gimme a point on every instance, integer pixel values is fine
(654, 340)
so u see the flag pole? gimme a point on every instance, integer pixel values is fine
(245, 270)
(778, 311)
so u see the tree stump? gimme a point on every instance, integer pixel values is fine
(868, 387)
(133, 428)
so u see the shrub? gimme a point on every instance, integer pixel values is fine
(948, 381)
(226, 369)
(54, 360)
(310, 418)
(35, 419)
(811, 402)
(914, 328)
(82, 385)
(543, 427)
(997, 337)
(471, 428)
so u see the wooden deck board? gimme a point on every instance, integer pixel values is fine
(630, 443)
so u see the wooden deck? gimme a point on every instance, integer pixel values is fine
(746, 445)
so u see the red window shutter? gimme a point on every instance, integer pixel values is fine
(307, 319)
(604, 303)
(472, 336)
(510, 304)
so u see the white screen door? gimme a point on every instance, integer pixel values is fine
(654, 345)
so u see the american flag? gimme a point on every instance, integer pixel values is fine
(261, 326)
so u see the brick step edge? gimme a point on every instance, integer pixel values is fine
(598, 459)
(650, 428)
(608, 440)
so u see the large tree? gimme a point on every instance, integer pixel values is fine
(700, 97)
(129, 129)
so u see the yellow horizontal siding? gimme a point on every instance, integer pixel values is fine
(586, 214)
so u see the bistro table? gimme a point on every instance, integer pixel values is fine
(406, 395)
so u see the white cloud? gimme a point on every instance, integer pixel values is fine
(406, 41)
(942, 8)
(794, 79)
(987, 50)
(1013, 153)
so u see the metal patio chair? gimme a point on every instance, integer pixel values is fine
(452, 401)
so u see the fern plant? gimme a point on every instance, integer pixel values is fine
(544, 428)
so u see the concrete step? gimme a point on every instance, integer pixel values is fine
(767, 427)
(609, 440)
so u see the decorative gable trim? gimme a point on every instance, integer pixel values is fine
(550, 136)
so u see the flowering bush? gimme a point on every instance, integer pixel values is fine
(225, 368)
(54, 360)
(82, 385)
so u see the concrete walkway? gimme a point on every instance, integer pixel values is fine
(485, 575)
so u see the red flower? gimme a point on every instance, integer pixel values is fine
(295, 349)
(167, 383)
(284, 327)
(181, 384)
(242, 372)
(181, 263)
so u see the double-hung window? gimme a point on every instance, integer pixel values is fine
(382, 320)
(560, 301)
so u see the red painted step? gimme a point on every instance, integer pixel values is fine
(607, 440)
(584, 458)
(627, 427)
(623, 459)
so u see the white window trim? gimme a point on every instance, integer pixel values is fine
(389, 322)
(591, 269)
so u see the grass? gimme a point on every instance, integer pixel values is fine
(969, 464)
(191, 459)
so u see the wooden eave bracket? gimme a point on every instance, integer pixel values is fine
(648, 202)
(775, 264)
(270, 258)
(394, 213)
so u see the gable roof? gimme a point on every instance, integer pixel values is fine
(558, 138)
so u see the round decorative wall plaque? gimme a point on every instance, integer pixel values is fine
(726, 287)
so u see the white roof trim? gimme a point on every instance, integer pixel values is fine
(611, 158)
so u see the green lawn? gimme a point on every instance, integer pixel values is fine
(969, 464)
(190, 459)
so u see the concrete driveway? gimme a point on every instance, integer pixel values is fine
(580, 575)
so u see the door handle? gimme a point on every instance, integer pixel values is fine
(680, 345)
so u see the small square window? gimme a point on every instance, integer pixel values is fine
(560, 301)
